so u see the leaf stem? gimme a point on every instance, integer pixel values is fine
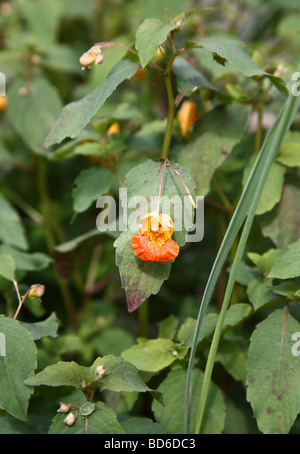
(48, 212)
(171, 111)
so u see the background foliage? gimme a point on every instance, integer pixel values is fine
(124, 372)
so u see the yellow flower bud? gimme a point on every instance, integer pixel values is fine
(64, 408)
(36, 291)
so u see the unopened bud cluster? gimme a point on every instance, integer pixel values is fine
(92, 57)
(100, 371)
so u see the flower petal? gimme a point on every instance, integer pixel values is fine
(154, 248)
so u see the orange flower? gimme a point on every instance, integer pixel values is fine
(153, 243)
(187, 116)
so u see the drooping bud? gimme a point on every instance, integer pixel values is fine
(100, 371)
(70, 419)
(64, 408)
(86, 60)
(187, 116)
(3, 102)
(92, 57)
(114, 129)
(36, 291)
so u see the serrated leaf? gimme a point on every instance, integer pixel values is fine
(17, 364)
(171, 416)
(288, 265)
(139, 279)
(289, 154)
(167, 327)
(233, 359)
(233, 53)
(259, 292)
(60, 374)
(11, 229)
(274, 374)
(120, 375)
(235, 314)
(142, 426)
(27, 261)
(282, 224)
(103, 420)
(89, 185)
(215, 138)
(38, 105)
(7, 267)
(266, 260)
(288, 289)
(151, 34)
(152, 355)
(189, 78)
(76, 115)
(47, 327)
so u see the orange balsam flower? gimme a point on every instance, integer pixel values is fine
(154, 243)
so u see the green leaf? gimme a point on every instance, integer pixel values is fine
(89, 185)
(139, 279)
(75, 116)
(152, 355)
(142, 426)
(189, 78)
(27, 261)
(60, 374)
(289, 154)
(272, 191)
(11, 229)
(235, 314)
(33, 111)
(171, 416)
(167, 327)
(266, 260)
(7, 267)
(12, 426)
(233, 360)
(274, 374)
(121, 375)
(151, 34)
(259, 292)
(140, 181)
(288, 265)
(112, 341)
(42, 18)
(287, 288)
(102, 420)
(17, 364)
(47, 327)
(282, 224)
(234, 53)
(219, 131)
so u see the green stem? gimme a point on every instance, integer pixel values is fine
(258, 134)
(171, 111)
(48, 211)
(143, 319)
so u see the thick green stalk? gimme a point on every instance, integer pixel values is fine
(171, 111)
